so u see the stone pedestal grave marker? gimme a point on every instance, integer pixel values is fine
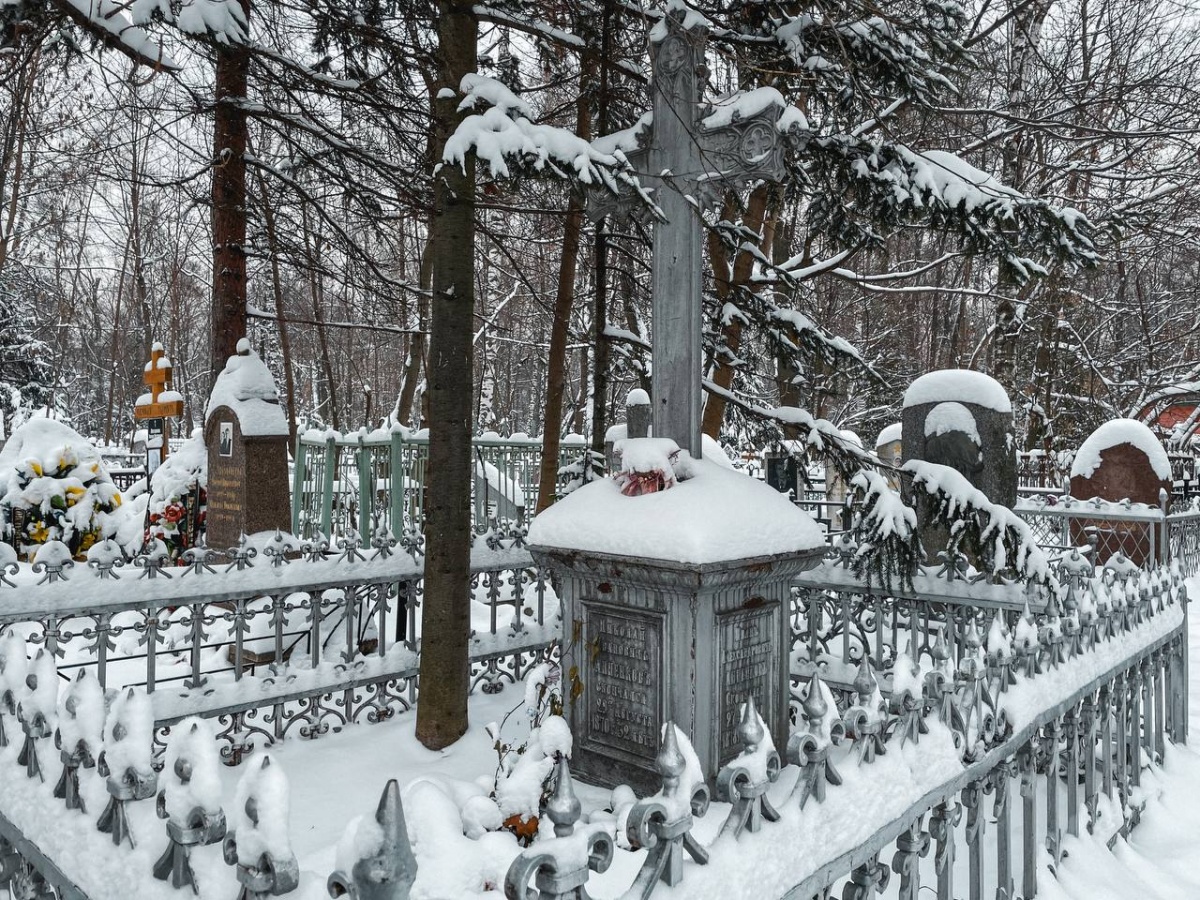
(683, 630)
(961, 419)
(1120, 460)
(676, 603)
(246, 433)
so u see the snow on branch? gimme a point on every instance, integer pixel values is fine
(504, 135)
(1002, 541)
(894, 185)
(108, 21)
(885, 531)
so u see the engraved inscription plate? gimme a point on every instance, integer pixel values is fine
(748, 653)
(624, 690)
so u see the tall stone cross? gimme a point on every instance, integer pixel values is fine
(688, 155)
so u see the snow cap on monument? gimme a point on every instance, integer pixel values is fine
(247, 388)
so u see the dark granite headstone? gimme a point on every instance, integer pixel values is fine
(986, 455)
(1125, 472)
(658, 640)
(963, 420)
(247, 481)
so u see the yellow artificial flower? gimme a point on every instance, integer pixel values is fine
(116, 499)
(88, 539)
(36, 466)
(39, 533)
(76, 491)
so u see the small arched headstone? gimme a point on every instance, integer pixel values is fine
(1120, 460)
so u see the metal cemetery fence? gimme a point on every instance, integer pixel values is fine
(366, 481)
(327, 638)
(1035, 711)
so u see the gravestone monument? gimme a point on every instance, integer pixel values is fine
(961, 419)
(889, 448)
(1120, 460)
(676, 603)
(246, 433)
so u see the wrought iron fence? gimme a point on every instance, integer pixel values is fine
(371, 481)
(1037, 704)
(295, 637)
(1151, 534)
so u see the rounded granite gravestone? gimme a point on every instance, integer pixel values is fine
(1120, 460)
(963, 419)
(246, 433)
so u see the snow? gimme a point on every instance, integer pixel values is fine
(1114, 433)
(949, 416)
(637, 397)
(477, 87)
(689, 19)
(245, 386)
(961, 385)
(192, 742)
(43, 694)
(893, 432)
(128, 733)
(741, 105)
(81, 713)
(14, 664)
(715, 515)
(265, 783)
(957, 182)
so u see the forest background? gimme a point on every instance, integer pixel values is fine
(819, 296)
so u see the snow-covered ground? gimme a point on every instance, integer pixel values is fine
(1158, 860)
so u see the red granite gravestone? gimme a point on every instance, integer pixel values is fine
(1121, 460)
(246, 433)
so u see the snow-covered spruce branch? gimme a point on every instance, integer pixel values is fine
(505, 136)
(1001, 541)
(884, 530)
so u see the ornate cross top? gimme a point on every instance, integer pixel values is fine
(688, 154)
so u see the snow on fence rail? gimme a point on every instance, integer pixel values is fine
(370, 480)
(267, 643)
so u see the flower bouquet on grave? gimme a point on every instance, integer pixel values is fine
(60, 498)
(647, 465)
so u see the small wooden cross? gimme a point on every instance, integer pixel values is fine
(157, 376)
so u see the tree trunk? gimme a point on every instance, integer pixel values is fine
(285, 341)
(564, 299)
(763, 206)
(229, 201)
(446, 617)
(416, 347)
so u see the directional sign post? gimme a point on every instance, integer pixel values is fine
(162, 403)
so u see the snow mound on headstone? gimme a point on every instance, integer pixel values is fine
(961, 385)
(246, 386)
(947, 417)
(714, 515)
(1114, 433)
(889, 434)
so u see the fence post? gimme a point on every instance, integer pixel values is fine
(297, 485)
(396, 483)
(365, 500)
(327, 487)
